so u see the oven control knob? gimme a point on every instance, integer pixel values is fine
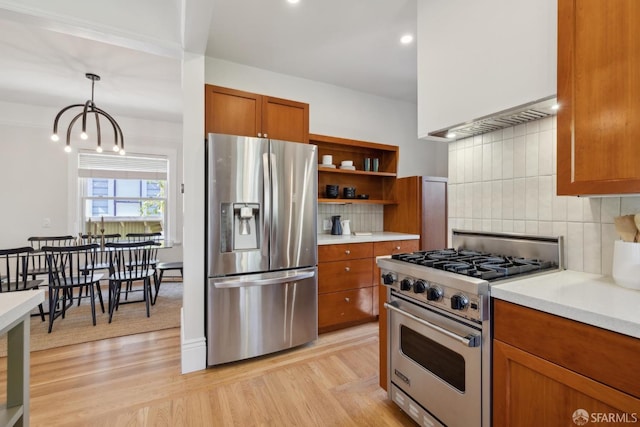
(419, 287)
(459, 302)
(405, 285)
(434, 294)
(388, 279)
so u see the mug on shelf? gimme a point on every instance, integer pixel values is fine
(367, 163)
(349, 192)
(332, 191)
(376, 164)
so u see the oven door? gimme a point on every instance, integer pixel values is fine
(436, 361)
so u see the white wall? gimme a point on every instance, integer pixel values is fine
(341, 112)
(506, 181)
(38, 176)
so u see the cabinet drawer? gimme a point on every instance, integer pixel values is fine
(343, 307)
(342, 275)
(395, 247)
(344, 251)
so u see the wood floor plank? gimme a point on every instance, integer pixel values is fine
(136, 381)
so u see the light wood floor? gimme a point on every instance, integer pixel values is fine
(136, 381)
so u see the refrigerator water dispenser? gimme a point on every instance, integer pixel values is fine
(239, 226)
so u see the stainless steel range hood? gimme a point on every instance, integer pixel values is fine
(503, 119)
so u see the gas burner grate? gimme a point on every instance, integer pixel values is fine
(476, 264)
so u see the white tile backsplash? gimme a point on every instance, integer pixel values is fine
(505, 181)
(362, 217)
(507, 158)
(532, 155)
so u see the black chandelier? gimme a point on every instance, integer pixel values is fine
(88, 108)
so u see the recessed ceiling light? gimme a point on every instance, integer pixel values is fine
(406, 39)
(293, 1)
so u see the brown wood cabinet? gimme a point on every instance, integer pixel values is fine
(345, 285)
(379, 186)
(546, 367)
(380, 296)
(599, 96)
(421, 209)
(236, 112)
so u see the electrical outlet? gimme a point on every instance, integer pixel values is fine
(326, 224)
(46, 223)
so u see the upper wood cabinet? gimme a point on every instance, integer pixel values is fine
(421, 209)
(599, 96)
(236, 112)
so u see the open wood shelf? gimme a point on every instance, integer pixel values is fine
(357, 201)
(379, 186)
(355, 172)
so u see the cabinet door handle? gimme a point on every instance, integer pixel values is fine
(259, 135)
(347, 252)
(347, 269)
(347, 299)
(397, 248)
(265, 135)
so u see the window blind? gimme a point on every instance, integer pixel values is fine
(121, 167)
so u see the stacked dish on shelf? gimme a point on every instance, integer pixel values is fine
(348, 165)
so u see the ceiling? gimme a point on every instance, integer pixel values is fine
(354, 44)
(349, 43)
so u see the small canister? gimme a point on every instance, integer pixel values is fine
(349, 192)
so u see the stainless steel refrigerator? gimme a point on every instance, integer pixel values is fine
(262, 282)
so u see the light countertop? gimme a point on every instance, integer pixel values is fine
(378, 236)
(14, 305)
(588, 298)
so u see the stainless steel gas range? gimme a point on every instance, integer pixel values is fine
(439, 322)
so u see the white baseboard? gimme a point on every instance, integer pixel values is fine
(194, 351)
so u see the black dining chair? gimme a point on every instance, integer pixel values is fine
(68, 270)
(38, 259)
(130, 262)
(102, 257)
(14, 265)
(161, 267)
(144, 237)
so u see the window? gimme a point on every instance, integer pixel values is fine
(125, 194)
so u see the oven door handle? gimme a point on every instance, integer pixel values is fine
(469, 341)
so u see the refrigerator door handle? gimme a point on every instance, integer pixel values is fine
(266, 182)
(249, 281)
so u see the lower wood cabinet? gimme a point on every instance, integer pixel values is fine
(344, 308)
(546, 368)
(345, 285)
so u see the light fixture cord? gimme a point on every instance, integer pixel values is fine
(93, 84)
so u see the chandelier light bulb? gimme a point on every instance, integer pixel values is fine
(55, 137)
(84, 135)
(99, 149)
(116, 148)
(122, 153)
(67, 148)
